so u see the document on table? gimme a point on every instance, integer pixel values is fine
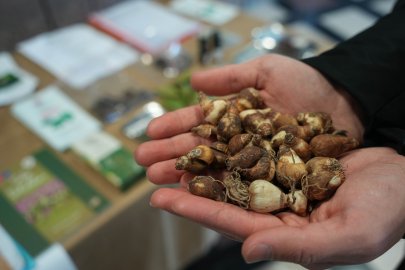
(148, 26)
(56, 118)
(78, 55)
(15, 83)
(214, 12)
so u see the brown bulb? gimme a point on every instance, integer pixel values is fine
(205, 130)
(256, 122)
(207, 187)
(290, 166)
(283, 119)
(221, 147)
(212, 109)
(246, 157)
(327, 145)
(219, 160)
(249, 98)
(190, 165)
(264, 170)
(300, 146)
(202, 153)
(230, 124)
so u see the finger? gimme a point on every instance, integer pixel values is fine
(224, 218)
(155, 151)
(175, 122)
(228, 79)
(164, 172)
(312, 244)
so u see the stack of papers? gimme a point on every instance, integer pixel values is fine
(78, 55)
(147, 26)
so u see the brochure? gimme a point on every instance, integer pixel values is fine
(41, 200)
(107, 155)
(15, 83)
(56, 118)
(78, 55)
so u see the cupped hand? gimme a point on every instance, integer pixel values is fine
(360, 222)
(288, 86)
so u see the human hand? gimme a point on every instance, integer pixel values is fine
(287, 86)
(360, 222)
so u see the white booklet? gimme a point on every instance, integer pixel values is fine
(15, 83)
(78, 55)
(56, 118)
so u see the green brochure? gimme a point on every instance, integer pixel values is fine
(41, 200)
(106, 154)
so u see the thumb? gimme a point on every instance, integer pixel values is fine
(228, 79)
(312, 244)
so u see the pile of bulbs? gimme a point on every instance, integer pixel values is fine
(275, 161)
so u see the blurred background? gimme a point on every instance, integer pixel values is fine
(79, 82)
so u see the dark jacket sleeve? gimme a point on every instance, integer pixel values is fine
(371, 67)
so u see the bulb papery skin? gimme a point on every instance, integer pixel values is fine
(203, 153)
(302, 132)
(327, 145)
(246, 157)
(205, 130)
(256, 122)
(249, 98)
(278, 139)
(238, 142)
(300, 204)
(322, 185)
(190, 165)
(212, 109)
(221, 147)
(207, 187)
(290, 165)
(300, 146)
(311, 119)
(283, 119)
(230, 124)
(264, 170)
(266, 197)
(326, 119)
(219, 160)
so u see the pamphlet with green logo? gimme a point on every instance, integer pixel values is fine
(106, 154)
(41, 200)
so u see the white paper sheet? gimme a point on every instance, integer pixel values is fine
(382, 7)
(145, 25)
(78, 55)
(54, 257)
(348, 21)
(56, 118)
(25, 85)
(213, 12)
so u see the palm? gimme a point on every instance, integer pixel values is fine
(291, 87)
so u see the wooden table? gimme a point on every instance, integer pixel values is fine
(128, 235)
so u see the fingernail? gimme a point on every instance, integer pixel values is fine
(258, 253)
(154, 206)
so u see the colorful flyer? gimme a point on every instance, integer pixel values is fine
(106, 154)
(41, 200)
(55, 117)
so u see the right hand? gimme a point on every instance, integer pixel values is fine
(286, 85)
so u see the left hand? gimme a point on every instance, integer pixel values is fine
(359, 223)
